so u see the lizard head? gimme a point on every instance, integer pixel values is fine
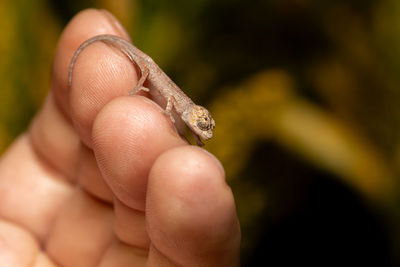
(199, 121)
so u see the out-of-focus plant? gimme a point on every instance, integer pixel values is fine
(26, 51)
(265, 107)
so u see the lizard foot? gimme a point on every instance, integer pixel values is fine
(138, 89)
(169, 114)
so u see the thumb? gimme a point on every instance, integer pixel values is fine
(191, 217)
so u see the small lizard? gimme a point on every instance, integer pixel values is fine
(196, 117)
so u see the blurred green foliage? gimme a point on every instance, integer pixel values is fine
(318, 79)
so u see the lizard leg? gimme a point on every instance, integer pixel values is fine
(168, 111)
(139, 86)
(198, 140)
(168, 108)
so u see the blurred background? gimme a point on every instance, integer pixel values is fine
(306, 98)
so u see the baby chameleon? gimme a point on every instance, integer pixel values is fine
(196, 117)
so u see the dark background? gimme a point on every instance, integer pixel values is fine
(306, 98)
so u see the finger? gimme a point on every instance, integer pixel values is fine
(55, 140)
(121, 255)
(43, 260)
(17, 246)
(100, 72)
(50, 153)
(190, 211)
(130, 226)
(31, 190)
(128, 135)
(89, 176)
(81, 232)
(52, 134)
(84, 25)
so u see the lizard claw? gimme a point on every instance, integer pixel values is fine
(168, 108)
(139, 86)
(169, 114)
(138, 89)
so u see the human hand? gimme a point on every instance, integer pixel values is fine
(103, 179)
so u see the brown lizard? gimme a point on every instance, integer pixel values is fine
(196, 117)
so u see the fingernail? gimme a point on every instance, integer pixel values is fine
(115, 22)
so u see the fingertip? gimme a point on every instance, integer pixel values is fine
(190, 208)
(100, 75)
(85, 24)
(129, 133)
(190, 181)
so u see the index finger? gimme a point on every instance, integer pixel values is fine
(84, 25)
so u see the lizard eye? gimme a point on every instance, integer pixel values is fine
(204, 123)
(204, 126)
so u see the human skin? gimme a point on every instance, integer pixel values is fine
(103, 179)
